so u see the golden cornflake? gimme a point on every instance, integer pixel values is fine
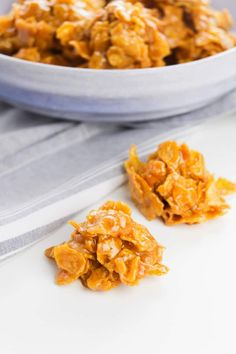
(121, 34)
(175, 185)
(108, 249)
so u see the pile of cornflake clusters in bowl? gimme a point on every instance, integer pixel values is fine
(114, 35)
(175, 185)
(108, 249)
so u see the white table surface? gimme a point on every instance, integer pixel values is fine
(190, 311)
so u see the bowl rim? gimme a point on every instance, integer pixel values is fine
(125, 72)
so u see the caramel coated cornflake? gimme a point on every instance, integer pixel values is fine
(108, 249)
(120, 34)
(175, 185)
(194, 30)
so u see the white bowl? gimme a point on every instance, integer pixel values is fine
(116, 95)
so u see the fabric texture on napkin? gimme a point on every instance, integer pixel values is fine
(54, 167)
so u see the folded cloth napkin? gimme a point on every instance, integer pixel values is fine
(50, 169)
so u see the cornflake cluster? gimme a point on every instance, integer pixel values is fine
(121, 34)
(108, 249)
(175, 185)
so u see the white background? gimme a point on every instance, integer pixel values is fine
(190, 311)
